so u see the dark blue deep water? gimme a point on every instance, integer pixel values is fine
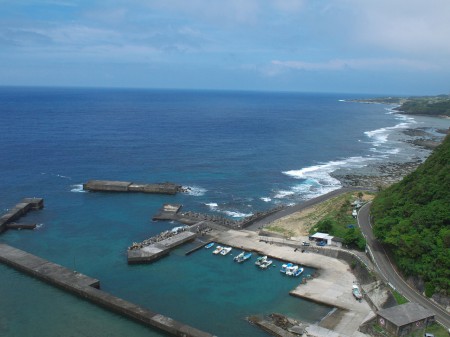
(240, 152)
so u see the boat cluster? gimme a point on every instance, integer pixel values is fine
(262, 262)
(291, 269)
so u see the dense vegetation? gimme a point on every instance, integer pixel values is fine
(339, 222)
(413, 218)
(421, 105)
(436, 105)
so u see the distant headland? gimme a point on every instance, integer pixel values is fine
(416, 105)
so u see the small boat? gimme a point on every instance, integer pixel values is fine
(218, 250)
(290, 271)
(209, 245)
(356, 292)
(226, 250)
(246, 257)
(239, 257)
(285, 266)
(260, 260)
(298, 272)
(265, 264)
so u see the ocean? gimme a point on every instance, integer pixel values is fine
(239, 152)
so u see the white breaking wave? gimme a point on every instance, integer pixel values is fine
(195, 190)
(237, 214)
(317, 179)
(77, 188)
(39, 225)
(266, 199)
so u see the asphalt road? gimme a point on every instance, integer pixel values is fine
(388, 271)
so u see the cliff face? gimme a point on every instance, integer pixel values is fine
(413, 218)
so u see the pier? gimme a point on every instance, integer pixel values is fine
(18, 211)
(159, 249)
(126, 186)
(89, 288)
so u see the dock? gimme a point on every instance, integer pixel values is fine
(89, 288)
(18, 211)
(126, 186)
(159, 249)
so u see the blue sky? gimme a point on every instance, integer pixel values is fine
(367, 46)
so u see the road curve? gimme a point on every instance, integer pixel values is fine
(389, 273)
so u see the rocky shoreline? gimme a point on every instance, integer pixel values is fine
(376, 177)
(380, 175)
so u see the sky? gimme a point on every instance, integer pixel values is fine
(348, 46)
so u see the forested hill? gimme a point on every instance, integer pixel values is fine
(435, 106)
(413, 218)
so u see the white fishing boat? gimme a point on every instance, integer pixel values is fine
(265, 264)
(285, 267)
(290, 271)
(226, 250)
(239, 257)
(218, 250)
(260, 260)
(246, 257)
(298, 272)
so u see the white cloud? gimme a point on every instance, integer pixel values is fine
(405, 26)
(348, 64)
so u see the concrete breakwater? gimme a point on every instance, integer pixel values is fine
(172, 212)
(126, 186)
(19, 210)
(88, 288)
(160, 245)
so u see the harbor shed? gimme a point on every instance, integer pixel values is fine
(402, 320)
(321, 237)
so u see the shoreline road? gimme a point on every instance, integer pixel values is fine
(389, 273)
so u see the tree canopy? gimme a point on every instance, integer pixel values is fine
(413, 218)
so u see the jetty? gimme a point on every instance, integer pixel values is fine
(7, 221)
(172, 212)
(89, 288)
(154, 251)
(127, 186)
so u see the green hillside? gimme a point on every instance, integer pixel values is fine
(413, 218)
(436, 105)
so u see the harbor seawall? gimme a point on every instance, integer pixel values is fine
(88, 288)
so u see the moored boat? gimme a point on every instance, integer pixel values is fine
(285, 266)
(260, 260)
(218, 250)
(209, 245)
(298, 272)
(265, 264)
(239, 257)
(246, 257)
(290, 271)
(226, 250)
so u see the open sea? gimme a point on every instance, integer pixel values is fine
(239, 152)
